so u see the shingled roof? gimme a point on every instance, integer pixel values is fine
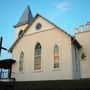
(26, 17)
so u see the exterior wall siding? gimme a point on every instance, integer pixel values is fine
(83, 39)
(47, 39)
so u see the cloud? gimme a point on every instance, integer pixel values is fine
(63, 6)
(59, 9)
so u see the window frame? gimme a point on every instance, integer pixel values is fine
(60, 57)
(21, 59)
(56, 55)
(36, 56)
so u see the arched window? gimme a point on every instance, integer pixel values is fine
(56, 56)
(21, 61)
(20, 32)
(37, 57)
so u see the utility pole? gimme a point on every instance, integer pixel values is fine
(1, 39)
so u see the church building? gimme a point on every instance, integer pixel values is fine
(43, 51)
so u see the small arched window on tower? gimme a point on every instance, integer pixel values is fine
(20, 32)
(21, 61)
(37, 57)
(56, 56)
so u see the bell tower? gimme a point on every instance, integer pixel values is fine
(25, 19)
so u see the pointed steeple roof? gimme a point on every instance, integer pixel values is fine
(26, 17)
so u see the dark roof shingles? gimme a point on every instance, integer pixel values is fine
(26, 17)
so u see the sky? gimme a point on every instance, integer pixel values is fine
(67, 14)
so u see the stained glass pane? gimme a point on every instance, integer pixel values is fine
(38, 52)
(56, 57)
(37, 57)
(21, 61)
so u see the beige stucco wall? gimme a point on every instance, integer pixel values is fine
(84, 40)
(48, 37)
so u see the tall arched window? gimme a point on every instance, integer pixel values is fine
(56, 56)
(37, 57)
(21, 61)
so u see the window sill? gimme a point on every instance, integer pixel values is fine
(21, 72)
(35, 71)
(56, 69)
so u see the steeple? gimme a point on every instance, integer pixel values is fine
(26, 17)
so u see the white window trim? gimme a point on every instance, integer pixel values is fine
(60, 58)
(21, 72)
(39, 70)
